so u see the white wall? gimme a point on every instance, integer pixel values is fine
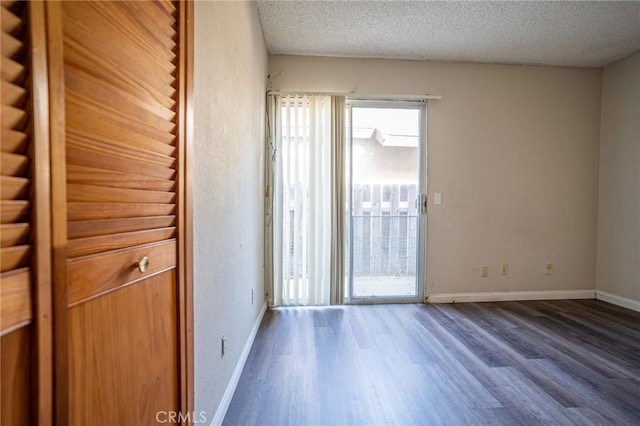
(512, 149)
(229, 89)
(618, 266)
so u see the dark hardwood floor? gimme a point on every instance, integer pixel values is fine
(572, 362)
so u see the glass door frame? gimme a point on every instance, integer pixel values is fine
(421, 246)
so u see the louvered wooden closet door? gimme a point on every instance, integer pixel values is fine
(24, 265)
(16, 221)
(120, 65)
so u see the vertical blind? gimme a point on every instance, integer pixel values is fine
(302, 201)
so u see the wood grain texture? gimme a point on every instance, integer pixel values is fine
(14, 188)
(13, 118)
(13, 211)
(15, 158)
(20, 400)
(13, 141)
(15, 299)
(14, 164)
(14, 161)
(113, 376)
(14, 234)
(109, 66)
(10, 23)
(103, 243)
(56, 114)
(92, 194)
(93, 211)
(82, 154)
(42, 376)
(10, 46)
(15, 388)
(115, 148)
(88, 117)
(110, 178)
(15, 257)
(185, 203)
(119, 101)
(12, 94)
(504, 363)
(92, 228)
(12, 71)
(122, 144)
(95, 275)
(121, 89)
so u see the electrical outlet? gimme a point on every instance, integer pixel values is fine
(548, 269)
(504, 269)
(484, 271)
(223, 344)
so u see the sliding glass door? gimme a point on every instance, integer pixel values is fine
(387, 178)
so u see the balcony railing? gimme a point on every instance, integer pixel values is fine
(384, 226)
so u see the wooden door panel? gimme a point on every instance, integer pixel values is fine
(95, 275)
(120, 95)
(15, 388)
(122, 355)
(17, 329)
(120, 146)
(89, 179)
(15, 302)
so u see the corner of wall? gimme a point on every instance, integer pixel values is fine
(618, 244)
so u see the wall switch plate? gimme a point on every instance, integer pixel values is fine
(504, 269)
(548, 269)
(437, 198)
(484, 271)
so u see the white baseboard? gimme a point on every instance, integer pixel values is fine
(506, 296)
(618, 300)
(237, 372)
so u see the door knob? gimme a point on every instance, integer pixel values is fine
(143, 264)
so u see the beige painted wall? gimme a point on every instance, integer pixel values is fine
(229, 86)
(618, 266)
(512, 149)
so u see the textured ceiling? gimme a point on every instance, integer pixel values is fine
(566, 33)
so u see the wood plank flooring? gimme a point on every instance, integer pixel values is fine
(508, 363)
